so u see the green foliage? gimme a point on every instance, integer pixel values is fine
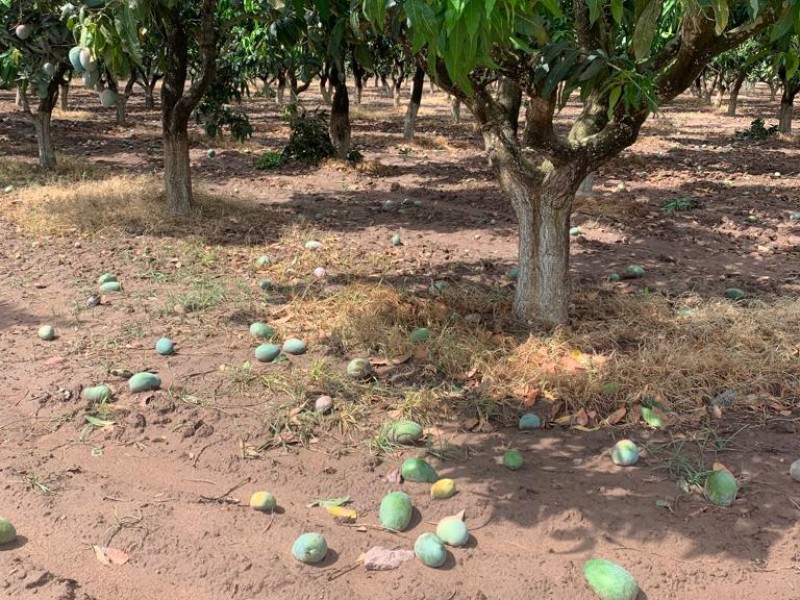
(309, 140)
(678, 204)
(270, 160)
(757, 131)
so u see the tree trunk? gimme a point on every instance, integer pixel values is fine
(773, 91)
(339, 125)
(18, 98)
(543, 212)
(44, 139)
(706, 90)
(418, 85)
(587, 185)
(396, 83)
(509, 96)
(455, 110)
(786, 114)
(719, 97)
(734, 97)
(177, 177)
(281, 88)
(149, 94)
(177, 103)
(323, 87)
(64, 95)
(358, 76)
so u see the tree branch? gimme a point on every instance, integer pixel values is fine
(208, 61)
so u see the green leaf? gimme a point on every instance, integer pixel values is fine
(594, 10)
(421, 17)
(559, 72)
(329, 502)
(645, 29)
(618, 11)
(592, 68)
(98, 422)
(721, 14)
(613, 99)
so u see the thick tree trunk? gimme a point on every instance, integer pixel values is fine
(734, 97)
(177, 176)
(339, 125)
(44, 139)
(543, 212)
(414, 104)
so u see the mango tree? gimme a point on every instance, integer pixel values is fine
(187, 30)
(786, 65)
(620, 58)
(34, 41)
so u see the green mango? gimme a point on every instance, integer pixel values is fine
(610, 581)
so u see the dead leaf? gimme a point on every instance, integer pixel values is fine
(110, 556)
(394, 476)
(486, 427)
(582, 418)
(616, 416)
(555, 409)
(471, 424)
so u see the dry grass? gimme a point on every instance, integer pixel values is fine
(374, 114)
(133, 205)
(25, 171)
(621, 348)
(619, 208)
(429, 142)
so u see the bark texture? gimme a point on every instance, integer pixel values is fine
(414, 103)
(339, 125)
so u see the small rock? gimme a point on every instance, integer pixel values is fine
(383, 559)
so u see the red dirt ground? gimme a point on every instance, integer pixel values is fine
(168, 483)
